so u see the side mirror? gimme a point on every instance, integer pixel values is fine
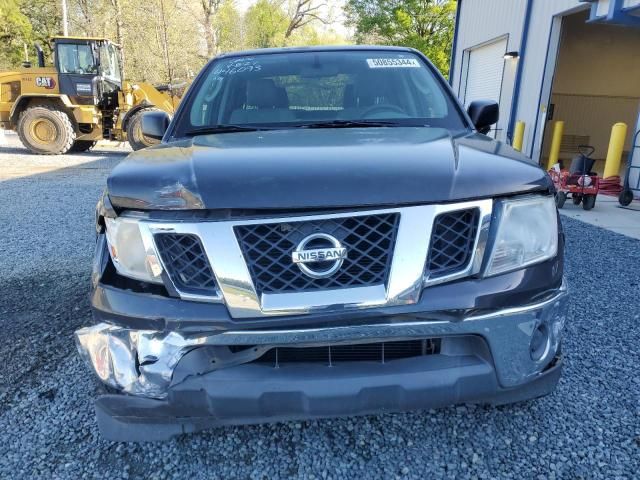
(483, 114)
(155, 124)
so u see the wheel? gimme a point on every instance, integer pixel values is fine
(625, 197)
(45, 130)
(561, 197)
(576, 199)
(83, 145)
(588, 202)
(134, 131)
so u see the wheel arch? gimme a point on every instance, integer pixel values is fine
(23, 102)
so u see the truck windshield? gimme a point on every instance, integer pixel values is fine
(75, 58)
(316, 89)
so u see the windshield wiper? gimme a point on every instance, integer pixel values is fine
(228, 128)
(350, 124)
(223, 129)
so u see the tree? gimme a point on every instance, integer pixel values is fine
(82, 16)
(166, 47)
(426, 25)
(265, 24)
(120, 28)
(45, 19)
(166, 40)
(303, 13)
(210, 9)
(229, 27)
(15, 31)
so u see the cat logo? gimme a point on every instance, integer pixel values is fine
(46, 82)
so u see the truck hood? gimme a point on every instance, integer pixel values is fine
(319, 168)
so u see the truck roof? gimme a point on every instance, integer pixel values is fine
(87, 39)
(315, 48)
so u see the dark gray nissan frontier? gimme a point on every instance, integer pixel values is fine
(321, 232)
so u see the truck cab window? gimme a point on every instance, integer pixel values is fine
(110, 63)
(76, 59)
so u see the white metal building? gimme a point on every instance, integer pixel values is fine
(545, 60)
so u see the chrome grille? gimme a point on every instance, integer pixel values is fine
(186, 263)
(452, 242)
(369, 240)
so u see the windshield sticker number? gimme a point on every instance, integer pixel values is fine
(393, 63)
(233, 67)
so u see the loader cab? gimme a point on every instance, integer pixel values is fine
(89, 70)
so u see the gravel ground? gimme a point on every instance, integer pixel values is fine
(589, 428)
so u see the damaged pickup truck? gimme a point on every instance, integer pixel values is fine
(322, 232)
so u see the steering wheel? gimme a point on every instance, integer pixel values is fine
(383, 107)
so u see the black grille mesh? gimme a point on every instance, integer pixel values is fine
(369, 240)
(368, 352)
(186, 263)
(452, 242)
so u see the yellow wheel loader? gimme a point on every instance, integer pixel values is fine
(79, 100)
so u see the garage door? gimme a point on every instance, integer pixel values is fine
(484, 72)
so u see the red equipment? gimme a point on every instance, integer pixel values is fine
(579, 182)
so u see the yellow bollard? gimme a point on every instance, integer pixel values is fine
(614, 154)
(518, 136)
(558, 130)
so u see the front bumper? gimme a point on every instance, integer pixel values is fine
(181, 383)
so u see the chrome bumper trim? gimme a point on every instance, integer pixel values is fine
(375, 332)
(113, 352)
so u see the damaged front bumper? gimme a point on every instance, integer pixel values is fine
(497, 357)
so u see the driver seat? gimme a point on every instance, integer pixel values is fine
(362, 95)
(369, 93)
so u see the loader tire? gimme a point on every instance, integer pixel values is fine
(82, 146)
(45, 130)
(134, 131)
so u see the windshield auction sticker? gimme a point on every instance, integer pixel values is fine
(393, 63)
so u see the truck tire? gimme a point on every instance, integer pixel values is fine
(134, 131)
(45, 130)
(83, 145)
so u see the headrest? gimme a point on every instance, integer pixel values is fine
(263, 93)
(368, 91)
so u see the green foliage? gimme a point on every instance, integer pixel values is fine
(426, 25)
(266, 24)
(308, 35)
(15, 31)
(45, 19)
(164, 40)
(228, 21)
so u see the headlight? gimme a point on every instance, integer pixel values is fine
(133, 255)
(527, 233)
